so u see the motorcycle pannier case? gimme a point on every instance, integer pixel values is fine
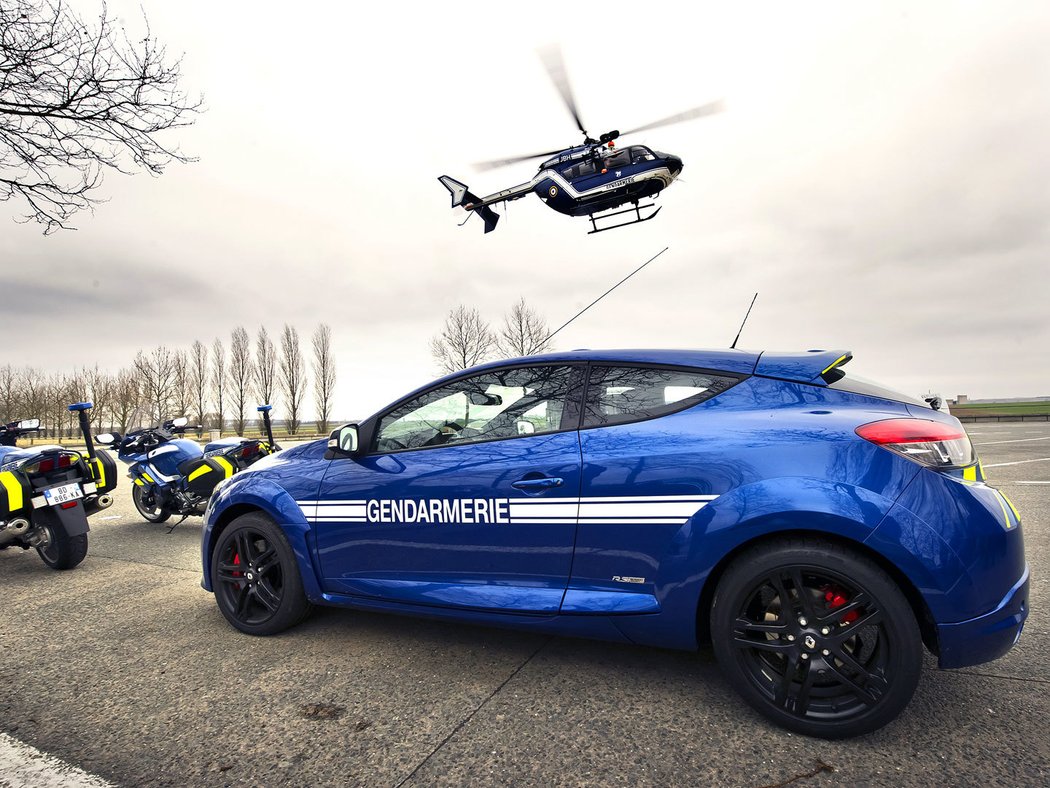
(203, 473)
(14, 493)
(103, 470)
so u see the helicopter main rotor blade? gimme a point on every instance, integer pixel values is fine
(494, 163)
(713, 108)
(555, 65)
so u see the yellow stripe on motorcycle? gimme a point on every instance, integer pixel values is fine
(147, 477)
(14, 491)
(225, 465)
(1013, 508)
(140, 483)
(98, 471)
(970, 474)
(198, 473)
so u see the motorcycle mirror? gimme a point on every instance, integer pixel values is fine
(107, 438)
(181, 421)
(28, 424)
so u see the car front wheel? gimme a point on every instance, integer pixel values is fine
(256, 578)
(816, 637)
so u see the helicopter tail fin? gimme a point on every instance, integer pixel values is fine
(462, 196)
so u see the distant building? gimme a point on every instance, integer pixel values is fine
(962, 399)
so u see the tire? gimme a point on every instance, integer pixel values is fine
(156, 514)
(62, 551)
(841, 659)
(267, 597)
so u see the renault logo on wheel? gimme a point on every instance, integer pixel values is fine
(810, 641)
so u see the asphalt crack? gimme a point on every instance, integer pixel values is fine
(818, 769)
(473, 713)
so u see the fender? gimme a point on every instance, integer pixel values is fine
(253, 491)
(744, 514)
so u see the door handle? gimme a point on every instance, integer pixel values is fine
(533, 485)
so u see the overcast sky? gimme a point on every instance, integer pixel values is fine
(881, 175)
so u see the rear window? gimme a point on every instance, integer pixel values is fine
(855, 384)
(620, 394)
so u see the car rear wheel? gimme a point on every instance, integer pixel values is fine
(816, 637)
(148, 505)
(256, 578)
(61, 551)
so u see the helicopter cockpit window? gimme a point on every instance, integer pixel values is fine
(579, 169)
(640, 154)
(619, 159)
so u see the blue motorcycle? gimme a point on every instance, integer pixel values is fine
(173, 475)
(48, 492)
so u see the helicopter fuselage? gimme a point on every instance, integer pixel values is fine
(586, 180)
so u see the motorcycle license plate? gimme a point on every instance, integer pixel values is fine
(63, 494)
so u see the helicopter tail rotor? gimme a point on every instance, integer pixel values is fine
(463, 197)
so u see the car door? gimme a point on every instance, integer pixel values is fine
(647, 469)
(467, 496)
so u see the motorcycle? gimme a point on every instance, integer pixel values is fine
(173, 475)
(48, 492)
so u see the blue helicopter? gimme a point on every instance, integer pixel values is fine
(592, 179)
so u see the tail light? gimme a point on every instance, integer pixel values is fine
(48, 464)
(930, 443)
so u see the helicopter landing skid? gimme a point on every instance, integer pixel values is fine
(637, 210)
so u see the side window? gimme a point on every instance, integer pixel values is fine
(620, 394)
(501, 404)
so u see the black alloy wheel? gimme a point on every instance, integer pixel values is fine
(148, 506)
(816, 637)
(255, 577)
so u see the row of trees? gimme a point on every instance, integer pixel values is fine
(217, 386)
(467, 339)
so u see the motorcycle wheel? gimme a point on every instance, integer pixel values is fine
(150, 510)
(62, 551)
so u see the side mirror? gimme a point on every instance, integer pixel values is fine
(481, 398)
(525, 427)
(344, 441)
(107, 438)
(181, 421)
(28, 424)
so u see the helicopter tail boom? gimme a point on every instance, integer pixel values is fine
(462, 196)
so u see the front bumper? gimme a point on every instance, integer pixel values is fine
(985, 637)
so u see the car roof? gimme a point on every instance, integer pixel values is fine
(805, 366)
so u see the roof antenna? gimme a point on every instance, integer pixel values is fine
(599, 298)
(733, 346)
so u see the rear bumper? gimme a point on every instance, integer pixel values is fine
(988, 636)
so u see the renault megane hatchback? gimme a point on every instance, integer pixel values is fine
(817, 529)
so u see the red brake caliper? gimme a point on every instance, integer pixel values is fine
(835, 599)
(237, 562)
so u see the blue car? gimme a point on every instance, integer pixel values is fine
(817, 529)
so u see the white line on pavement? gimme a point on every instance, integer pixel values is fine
(1031, 482)
(1018, 462)
(1016, 440)
(21, 764)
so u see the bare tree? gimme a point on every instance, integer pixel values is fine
(265, 367)
(292, 376)
(324, 375)
(465, 340)
(78, 98)
(218, 383)
(156, 371)
(197, 365)
(9, 398)
(99, 386)
(181, 396)
(125, 400)
(242, 372)
(523, 333)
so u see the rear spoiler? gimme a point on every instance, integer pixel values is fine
(812, 366)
